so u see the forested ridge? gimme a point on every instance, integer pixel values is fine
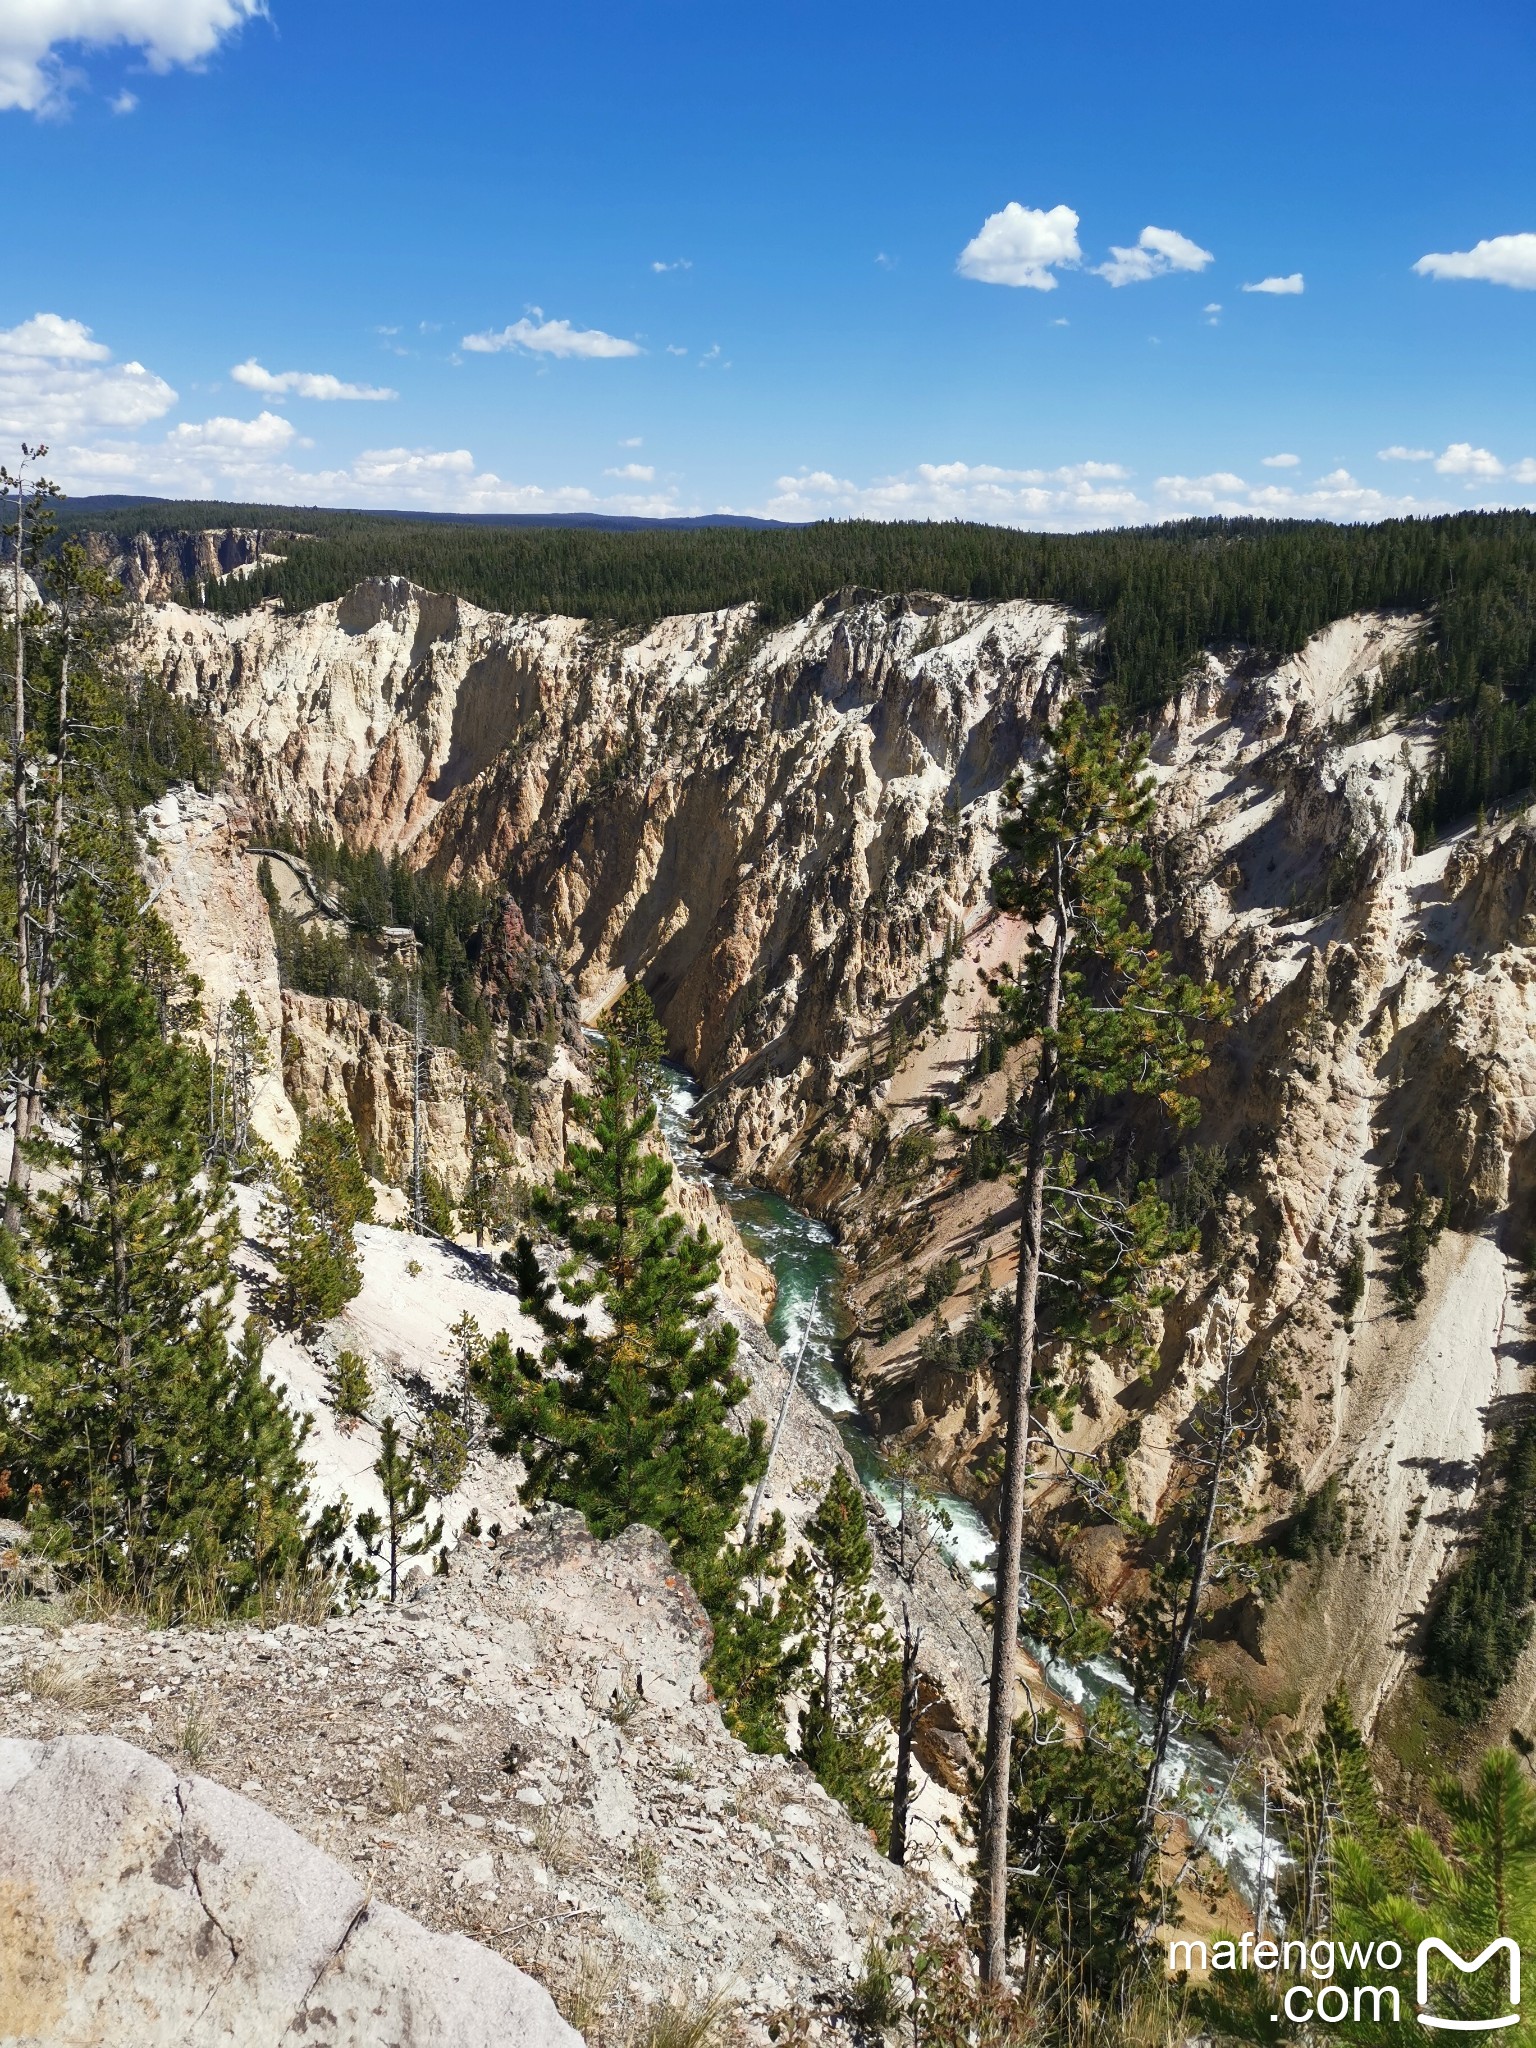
(1163, 592)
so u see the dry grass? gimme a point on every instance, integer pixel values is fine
(194, 1738)
(695, 2025)
(60, 1685)
(400, 1788)
(646, 1858)
(555, 1840)
(585, 1996)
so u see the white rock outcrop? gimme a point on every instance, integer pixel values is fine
(165, 1911)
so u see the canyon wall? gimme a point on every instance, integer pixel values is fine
(780, 830)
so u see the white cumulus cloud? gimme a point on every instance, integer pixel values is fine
(56, 380)
(1022, 245)
(261, 435)
(1501, 259)
(634, 472)
(302, 383)
(1462, 459)
(543, 337)
(1280, 287)
(33, 76)
(1156, 252)
(1281, 461)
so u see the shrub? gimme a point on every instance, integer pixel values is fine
(1319, 1525)
(441, 1452)
(1482, 1620)
(351, 1388)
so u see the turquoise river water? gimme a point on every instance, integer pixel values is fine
(802, 1255)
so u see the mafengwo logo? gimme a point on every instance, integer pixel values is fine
(1311, 1995)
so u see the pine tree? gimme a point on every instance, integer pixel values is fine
(158, 1464)
(488, 1207)
(402, 1530)
(634, 1426)
(1075, 1808)
(235, 1066)
(856, 1672)
(1109, 1020)
(331, 1174)
(316, 1268)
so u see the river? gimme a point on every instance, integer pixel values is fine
(802, 1255)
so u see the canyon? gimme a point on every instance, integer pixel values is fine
(783, 833)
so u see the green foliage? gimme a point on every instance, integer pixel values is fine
(492, 1201)
(1163, 592)
(403, 1529)
(1478, 1887)
(1481, 1622)
(437, 1204)
(1332, 1799)
(315, 1263)
(164, 740)
(235, 1066)
(1351, 1282)
(157, 1463)
(1128, 1027)
(913, 1151)
(894, 1311)
(331, 1173)
(1199, 1186)
(856, 1670)
(976, 1344)
(374, 892)
(1075, 1808)
(1423, 1220)
(634, 1426)
(915, 1511)
(759, 1651)
(1320, 1523)
(440, 1451)
(350, 1386)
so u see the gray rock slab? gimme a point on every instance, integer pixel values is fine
(142, 1907)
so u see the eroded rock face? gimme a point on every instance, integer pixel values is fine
(343, 1059)
(153, 567)
(775, 831)
(147, 1907)
(204, 887)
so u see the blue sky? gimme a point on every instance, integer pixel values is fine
(669, 256)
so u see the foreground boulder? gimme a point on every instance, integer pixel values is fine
(144, 1907)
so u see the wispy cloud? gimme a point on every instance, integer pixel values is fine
(1280, 287)
(169, 32)
(634, 472)
(1281, 461)
(1022, 246)
(681, 263)
(543, 337)
(1156, 252)
(1501, 259)
(1079, 494)
(1398, 453)
(304, 384)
